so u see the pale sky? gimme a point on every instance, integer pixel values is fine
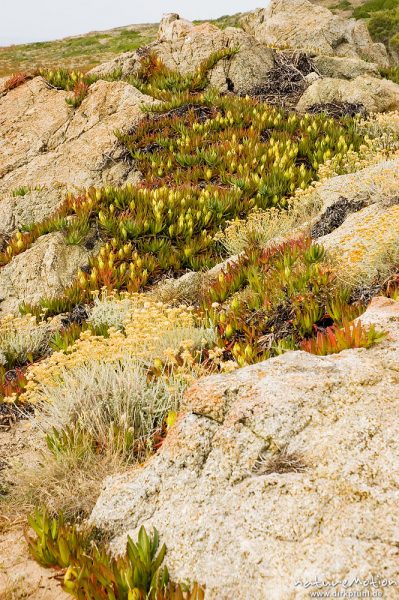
(39, 20)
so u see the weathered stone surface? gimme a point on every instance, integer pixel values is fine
(376, 95)
(299, 24)
(45, 269)
(31, 207)
(359, 217)
(344, 68)
(173, 28)
(183, 46)
(249, 533)
(29, 116)
(377, 184)
(47, 148)
(46, 143)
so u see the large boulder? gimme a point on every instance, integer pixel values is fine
(276, 475)
(344, 68)
(48, 148)
(299, 24)
(45, 269)
(374, 95)
(183, 46)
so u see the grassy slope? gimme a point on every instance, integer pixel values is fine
(80, 52)
(85, 51)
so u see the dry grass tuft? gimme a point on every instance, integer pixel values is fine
(283, 461)
(66, 483)
(265, 226)
(91, 422)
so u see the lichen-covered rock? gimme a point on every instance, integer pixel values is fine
(275, 474)
(364, 241)
(183, 46)
(45, 269)
(376, 184)
(344, 68)
(375, 95)
(299, 24)
(359, 219)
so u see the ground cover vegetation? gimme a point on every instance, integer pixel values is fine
(105, 364)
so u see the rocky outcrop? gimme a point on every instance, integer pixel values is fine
(43, 270)
(340, 73)
(275, 474)
(299, 24)
(183, 46)
(48, 148)
(375, 95)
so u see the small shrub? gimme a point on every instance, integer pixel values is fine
(383, 26)
(109, 311)
(56, 543)
(22, 341)
(282, 461)
(262, 227)
(68, 481)
(80, 91)
(371, 6)
(111, 407)
(63, 339)
(77, 230)
(392, 73)
(20, 191)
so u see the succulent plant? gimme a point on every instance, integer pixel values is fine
(89, 570)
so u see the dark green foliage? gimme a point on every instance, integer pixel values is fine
(366, 9)
(383, 21)
(384, 26)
